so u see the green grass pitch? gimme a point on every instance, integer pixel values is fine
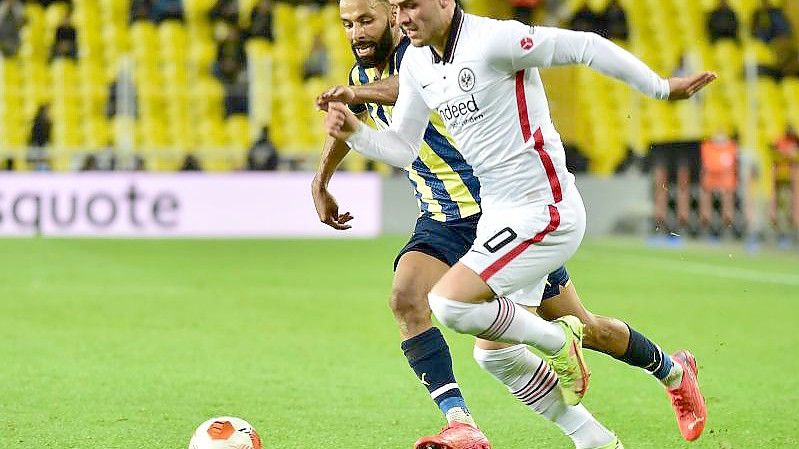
(131, 343)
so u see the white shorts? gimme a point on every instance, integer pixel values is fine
(529, 296)
(517, 248)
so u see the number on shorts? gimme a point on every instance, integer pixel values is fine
(503, 237)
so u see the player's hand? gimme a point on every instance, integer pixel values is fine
(327, 209)
(682, 87)
(343, 94)
(340, 122)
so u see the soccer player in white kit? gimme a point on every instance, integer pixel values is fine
(480, 75)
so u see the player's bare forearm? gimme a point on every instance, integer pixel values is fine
(384, 91)
(333, 153)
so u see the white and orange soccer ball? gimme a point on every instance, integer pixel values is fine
(225, 432)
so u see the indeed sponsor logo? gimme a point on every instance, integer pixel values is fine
(454, 111)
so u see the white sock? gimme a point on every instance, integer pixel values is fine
(499, 320)
(460, 414)
(534, 383)
(674, 378)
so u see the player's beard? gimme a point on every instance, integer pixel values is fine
(381, 52)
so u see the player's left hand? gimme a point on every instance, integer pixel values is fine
(327, 209)
(344, 94)
(682, 87)
(340, 122)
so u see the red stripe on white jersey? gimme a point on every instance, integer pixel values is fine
(527, 132)
(554, 222)
(549, 167)
(521, 103)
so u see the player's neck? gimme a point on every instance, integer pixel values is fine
(379, 68)
(440, 41)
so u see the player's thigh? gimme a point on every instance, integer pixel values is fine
(461, 283)
(415, 276)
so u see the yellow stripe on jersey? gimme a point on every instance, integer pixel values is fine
(424, 196)
(446, 188)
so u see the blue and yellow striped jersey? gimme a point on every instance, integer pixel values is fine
(446, 188)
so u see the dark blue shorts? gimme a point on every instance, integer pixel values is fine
(446, 241)
(449, 241)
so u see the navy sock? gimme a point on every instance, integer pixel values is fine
(428, 355)
(641, 352)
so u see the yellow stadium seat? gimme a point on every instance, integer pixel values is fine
(238, 131)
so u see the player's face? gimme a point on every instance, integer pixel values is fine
(424, 21)
(369, 28)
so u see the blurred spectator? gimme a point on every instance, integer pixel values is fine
(585, 19)
(719, 177)
(226, 11)
(191, 163)
(261, 20)
(263, 154)
(683, 66)
(787, 56)
(121, 96)
(576, 162)
(769, 22)
(140, 10)
(785, 201)
(236, 94)
(523, 10)
(167, 10)
(230, 56)
(230, 68)
(40, 132)
(318, 60)
(722, 22)
(614, 20)
(8, 164)
(138, 163)
(46, 3)
(89, 163)
(65, 44)
(12, 18)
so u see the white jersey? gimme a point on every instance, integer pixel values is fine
(488, 92)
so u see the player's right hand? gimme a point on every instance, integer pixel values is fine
(327, 209)
(340, 122)
(682, 87)
(343, 94)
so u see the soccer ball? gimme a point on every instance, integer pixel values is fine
(225, 432)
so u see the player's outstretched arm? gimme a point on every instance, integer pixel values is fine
(384, 91)
(546, 46)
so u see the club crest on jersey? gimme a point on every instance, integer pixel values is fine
(526, 42)
(466, 79)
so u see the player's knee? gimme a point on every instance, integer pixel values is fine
(408, 305)
(451, 313)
